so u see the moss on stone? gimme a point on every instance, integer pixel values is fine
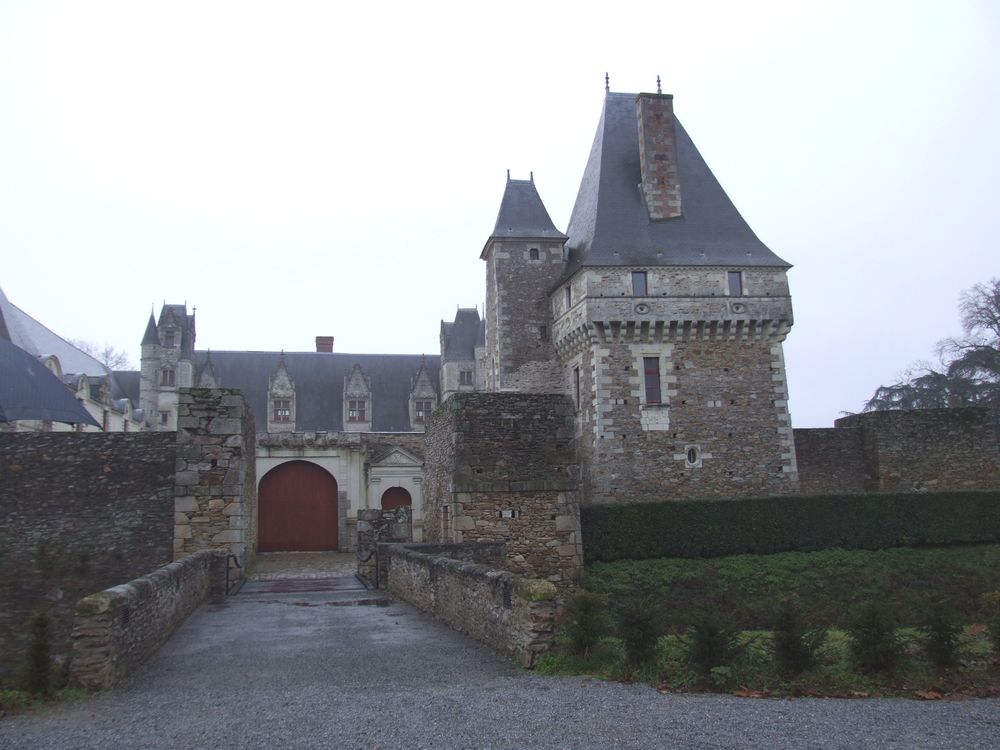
(534, 589)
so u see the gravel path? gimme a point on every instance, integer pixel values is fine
(291, 670)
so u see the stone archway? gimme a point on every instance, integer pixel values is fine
(396, 497)
(298, 512)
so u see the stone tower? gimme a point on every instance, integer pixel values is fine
(166, 364)
(524, 260)
(668, 319)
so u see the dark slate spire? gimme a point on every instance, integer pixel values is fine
(522, 213)
(611, 225)
(151, 336)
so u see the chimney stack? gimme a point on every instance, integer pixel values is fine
(324, 344)
(658, 155)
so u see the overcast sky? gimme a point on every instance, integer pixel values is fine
(298, 169)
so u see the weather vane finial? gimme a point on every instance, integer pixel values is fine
(658, 84)
(607, 82)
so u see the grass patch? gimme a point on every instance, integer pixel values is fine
(21, 701)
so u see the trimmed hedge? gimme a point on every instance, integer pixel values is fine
(765, 525)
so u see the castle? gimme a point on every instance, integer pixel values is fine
(658, 313)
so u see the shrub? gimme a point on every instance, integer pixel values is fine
(713, 642)
(941, 632)
(874, 645)
(795, 645)
(765, 525)
(639, 627)
(990, 604)
(586, 621)
(38, 678)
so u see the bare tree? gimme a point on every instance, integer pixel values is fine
(113, 359)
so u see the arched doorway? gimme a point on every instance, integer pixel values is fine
(395, 497)
(298, 509)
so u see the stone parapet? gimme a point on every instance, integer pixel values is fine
(119, 629)
(510, 614)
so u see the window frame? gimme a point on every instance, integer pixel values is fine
(357, 410)
(734, 290)
(279, 405)
(422, 408)
(643, 279)
(466, 377)
(168, 377)
(652, 389)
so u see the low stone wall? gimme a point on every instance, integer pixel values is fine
(831, 460)
(510, 614)
(118, 629)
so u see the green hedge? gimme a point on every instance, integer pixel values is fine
(765, 525)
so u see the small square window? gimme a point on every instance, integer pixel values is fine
(735, 284)
(357, 410)
(423, 410)
(282, 410)
(639, 288)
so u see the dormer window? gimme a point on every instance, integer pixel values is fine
(735, 284)
(465, 377)
(169, 339)
(357, 410)
(282, 410)
(168, 377)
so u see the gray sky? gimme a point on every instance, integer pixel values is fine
(295, 169)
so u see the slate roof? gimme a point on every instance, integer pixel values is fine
(611, 227)
(24, 331)
(459, 339)
(319, 384)
(522, 214)
(184, 322)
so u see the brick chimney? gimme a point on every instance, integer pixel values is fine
(324, 343)
(658, 155)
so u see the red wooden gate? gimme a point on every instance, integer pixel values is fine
(298, 509)
(395, 497)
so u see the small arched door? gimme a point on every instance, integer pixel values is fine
(298, 509)
(395, 497)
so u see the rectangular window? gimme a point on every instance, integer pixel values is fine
(543, 333)
(533, 254)
(167, 377)
(651, 375)
(638, 283)
(168, 340)
(164, 418)
(282, 410)
(423, 410)
(465, 377)
(569, 297)
(576, 386)
(735, 284)
(357, 410)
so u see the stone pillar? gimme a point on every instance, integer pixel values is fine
(215, 488)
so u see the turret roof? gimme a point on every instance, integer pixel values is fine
(522, 214)
(150, 336)
(610, 225)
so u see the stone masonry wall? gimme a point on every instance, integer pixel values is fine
(215, 503)
(831, 461)
(117, 630)
(513, 615)
(518, 317)
(79, 512)
(928, 449)
(723, 399)
(502, 467)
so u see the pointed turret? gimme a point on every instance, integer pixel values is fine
(522, 214)
(151, 337)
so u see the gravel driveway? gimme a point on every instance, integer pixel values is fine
(300, 669)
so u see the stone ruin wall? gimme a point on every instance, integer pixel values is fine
(79, 512)
(501, 467)
(215, 503)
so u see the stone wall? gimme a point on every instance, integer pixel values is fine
(377, 526)
(79, 512)
(928, 449)
(513, 615)
(502, 467)
(215, 503)
(831, 461)
(117, 630)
